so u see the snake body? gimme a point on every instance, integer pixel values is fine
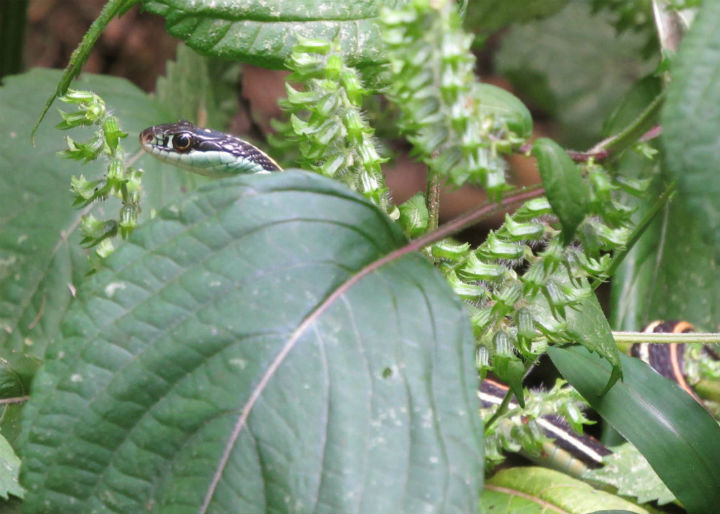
(205, 151)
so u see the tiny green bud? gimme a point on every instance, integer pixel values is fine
(83, 188)
(482, 358)
(116, 171)
(316, 46)
(79, 97)
(414, 215)
(112, 133)
(104, 249)
(474, 269)
(464, 290)
(334, 66)
(354, 125)
(526, 328)
(128, 220)
(449, 249)
(82, 151)
(95, 112)
(496, 248)
(95, 230)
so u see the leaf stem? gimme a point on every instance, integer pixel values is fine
(502, 408)
(666, 338)
(637, 131)
(640, 129)
(14, 399)
(82, 52)
(432, 200)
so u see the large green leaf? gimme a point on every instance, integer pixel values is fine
(679, 439)
(234, 358)
(40, 257)
(669, 274)
(264, 33)
(533, 490)
(691, 121)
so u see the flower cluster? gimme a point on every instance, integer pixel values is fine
(521, 281)
(119, 181)
(327, 124)
(444, 111)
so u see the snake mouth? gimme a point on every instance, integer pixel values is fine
(147, 137)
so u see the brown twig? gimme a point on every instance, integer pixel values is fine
(599, 152)
(15, 399)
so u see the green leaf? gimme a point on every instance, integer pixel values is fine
(41, 261)
(653, 280)
(511, 370)
(199, 89)
(233, 357)
(631, 475)
(540, 490)
(587, 325)
(691, 121)
(565, 188)
(669, 274)
(506, 107)
(680, 440)
(264, 34)
(9, 469)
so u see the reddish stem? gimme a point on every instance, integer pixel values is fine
(599, 153)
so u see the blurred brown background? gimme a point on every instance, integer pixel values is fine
(137, 47)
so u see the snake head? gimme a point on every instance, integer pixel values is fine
(204, 151)
(177, 137)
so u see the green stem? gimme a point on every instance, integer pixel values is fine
(630, 134)
(502, 408)
(666, 338)
(432, 200)
(82, 52)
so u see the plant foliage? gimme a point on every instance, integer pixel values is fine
(278, 343)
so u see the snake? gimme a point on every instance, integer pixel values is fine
(217, 154)
(205, 151)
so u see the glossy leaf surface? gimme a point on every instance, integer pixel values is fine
(691, 121)
(565, 189)
(679, 439)
(533, 490)
(223, 362)
(264, 33)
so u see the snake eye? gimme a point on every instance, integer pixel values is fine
(181, 142)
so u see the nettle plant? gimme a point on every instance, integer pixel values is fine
(298, 341)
